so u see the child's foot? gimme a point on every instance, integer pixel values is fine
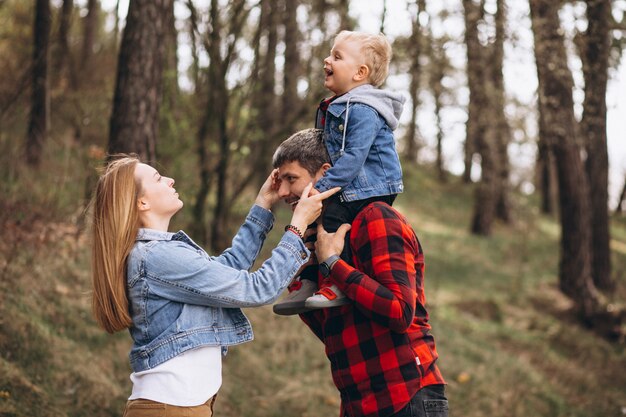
(327, 296)
(294, 302)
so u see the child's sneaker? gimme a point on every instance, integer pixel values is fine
(327, 296)
(294, 302)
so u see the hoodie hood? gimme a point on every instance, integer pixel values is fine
(387, 103)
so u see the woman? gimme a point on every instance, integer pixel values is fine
(180, 304)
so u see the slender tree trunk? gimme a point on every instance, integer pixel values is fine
(545, 163)
(193, 30)
(439, 65)
(383, 17)
(265, 99)
(411, 147)
(620, 207)
(135, 117)
(345, 22)
(89, 33)
(480, 132)
(555, 95)
(38, 123)
(502, 130)
(292, 67)
(170, 70)
(64, 64)
(595, 59)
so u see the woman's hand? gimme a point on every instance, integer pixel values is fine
(309, 207)
(268, 194)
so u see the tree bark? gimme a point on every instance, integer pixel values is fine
(64, 67)
(439, 66)
(38, 122)
(292, 67)
(135, 117)
(557, 106)
(498, 100)
(411, 147)
(89, 32)
(545, 163)
(480, 132)
(595, 59)
(622, 197)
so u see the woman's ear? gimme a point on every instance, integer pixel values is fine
(143, 205)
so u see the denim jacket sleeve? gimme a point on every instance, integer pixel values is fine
(178, 271)
(363, 126)
(248, 241)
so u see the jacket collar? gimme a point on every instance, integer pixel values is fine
(151, 234)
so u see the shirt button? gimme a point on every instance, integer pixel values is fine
(303, 255)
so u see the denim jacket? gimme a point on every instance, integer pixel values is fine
(181, 298)
(358, 132)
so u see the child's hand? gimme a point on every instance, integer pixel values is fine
(313, 192)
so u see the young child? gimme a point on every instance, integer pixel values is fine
(358, 123)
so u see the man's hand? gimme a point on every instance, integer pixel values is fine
(329, 244)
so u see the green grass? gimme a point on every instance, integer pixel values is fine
(507, 341)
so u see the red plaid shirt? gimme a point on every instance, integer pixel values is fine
(379, 346)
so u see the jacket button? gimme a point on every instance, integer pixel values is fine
(340, 128)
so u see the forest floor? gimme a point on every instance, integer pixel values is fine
(508, 342)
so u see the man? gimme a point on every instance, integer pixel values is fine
(383, 359)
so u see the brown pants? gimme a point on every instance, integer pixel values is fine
(149, 408)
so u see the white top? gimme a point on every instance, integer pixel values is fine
(186, 380)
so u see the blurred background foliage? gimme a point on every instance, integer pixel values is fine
(236, 79)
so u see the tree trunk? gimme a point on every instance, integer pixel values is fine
(479, 131)
(622, 197)
(89, 33)
(64, 67)
(555, 95)
(439, 66)
(595, 59)
(345, 22)
(411, 147)
(502, 130)
(545, 162)
(135, 117)
(265, 98)
(292, 67)
(38, 123)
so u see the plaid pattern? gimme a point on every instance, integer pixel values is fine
(379, 346)
(320, 115)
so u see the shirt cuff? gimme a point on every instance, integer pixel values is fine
(262, 217)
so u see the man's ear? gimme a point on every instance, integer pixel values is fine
(362, 73)
(325, 167)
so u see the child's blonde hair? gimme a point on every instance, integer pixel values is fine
(376, 52)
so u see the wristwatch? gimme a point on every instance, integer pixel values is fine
(327, 265)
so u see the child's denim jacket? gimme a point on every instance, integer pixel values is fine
(358, 132)
(181, 298)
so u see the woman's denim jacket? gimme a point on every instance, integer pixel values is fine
(358, 132)
(181, 298)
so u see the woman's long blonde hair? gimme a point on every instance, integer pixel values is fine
(115, 226)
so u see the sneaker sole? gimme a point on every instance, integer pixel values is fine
(315, 304)
(290, 308)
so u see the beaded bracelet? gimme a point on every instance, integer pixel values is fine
(295, 230)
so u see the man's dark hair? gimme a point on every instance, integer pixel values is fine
(305, 147)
